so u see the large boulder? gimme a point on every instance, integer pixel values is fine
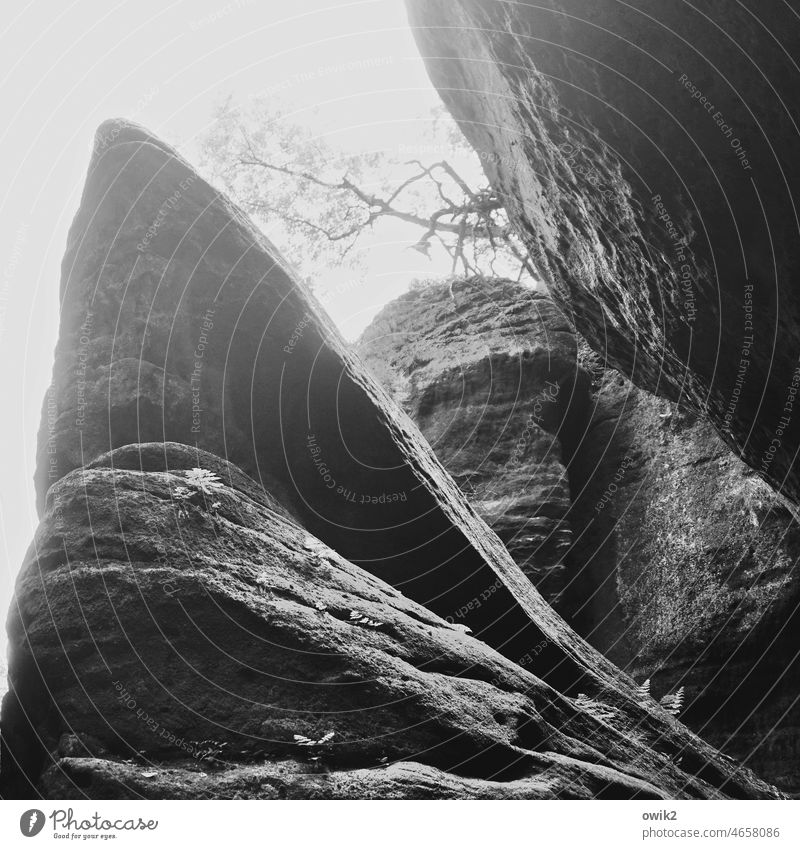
(180, 321)
(168, 625)
(487, 369)
(649, 162)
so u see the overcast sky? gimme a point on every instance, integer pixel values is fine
(65, 67)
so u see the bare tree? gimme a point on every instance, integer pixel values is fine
(327, 200)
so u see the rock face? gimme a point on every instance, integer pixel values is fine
(690, 574)
(488, 372)
(211, 627)
(181, 322)
(651, 168)
(679, 563)
(237, 604)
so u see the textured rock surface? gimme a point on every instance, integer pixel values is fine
(651, 167)
(487, 369)
(177, 625)
(158, 265)
(690, 575)
(106, 779)
(178, 317)
(681, 563)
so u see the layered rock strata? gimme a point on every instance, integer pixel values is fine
(648, 160)
(671, 555)
(181, 323)
(170, 646)
(487, 369)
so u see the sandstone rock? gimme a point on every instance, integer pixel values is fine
(679, 561)
(690, 574)
(651, 169)
(111, 779)
(174, 632)
(159, 264)
(487, 370)
(180, 321)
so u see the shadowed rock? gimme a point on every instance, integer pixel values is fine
(690, 574)
(487, 369)
(651, 167)
(177, 629)
(180, 322)
(669, 554)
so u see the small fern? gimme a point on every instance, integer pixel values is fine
(302, 740)
(643, 692)
(208, 750)
(204, 480)
(673, 702)
(360, 619)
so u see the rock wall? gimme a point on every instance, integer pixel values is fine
(488, 371)
(322, 563)
(691, 575)
(181, 322)
(650, 165)
(205, 635)
(674, 558)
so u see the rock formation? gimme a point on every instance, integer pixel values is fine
(323, 562)
(649, 162)
(217, 625)
(182, 323)
(679, 563)
(488, 371)
(689, 574)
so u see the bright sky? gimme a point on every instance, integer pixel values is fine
(65, 67)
